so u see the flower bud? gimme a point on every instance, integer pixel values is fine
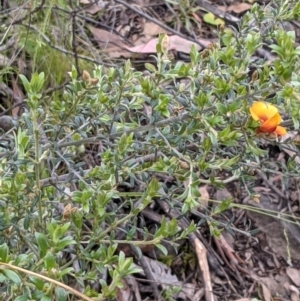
(93, 81)
(165, 44)
(86, 76)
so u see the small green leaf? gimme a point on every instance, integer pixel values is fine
(150, 67)
(211, 19)
(121, 258)
(221, 108)
(39, 283)
(65, 272)
(13, 276)
(296, 122)
(61, 294)
(162, 248)
(42, 242)
(194, 55)
(22, 298)
(65, 242)
(25, 83)
(37, 82)
(227, 36)
(73, 73)
(3, 252)
(77, 219)
(49, 261)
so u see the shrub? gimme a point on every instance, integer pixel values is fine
(151, 136)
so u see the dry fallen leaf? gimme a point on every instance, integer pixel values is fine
(292, 153)
(294, 275)
(275, 285)
(175, 43)
(266, 293)
(110, 43)
(152, 29)
(124, 293)
(105, 38)
(93, 7)
(204, 199)
(163, 275)
(20, 95)
(133, 284)
(114, 45)
(294, 296)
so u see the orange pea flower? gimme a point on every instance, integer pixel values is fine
(268, 117)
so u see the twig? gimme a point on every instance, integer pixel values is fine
(38, 275)
(62, 178)
(90, 20)
(221, 252)
(35, 10)
(18, 100)
(74, 46)
(56, 88)
(8, 44)
(273, 187)
(203, 264)
(139, 129)
(200, 249)
(72, 170)
(145, 265)
(216, 11)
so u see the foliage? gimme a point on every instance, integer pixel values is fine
(65, 218)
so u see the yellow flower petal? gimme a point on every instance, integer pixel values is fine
(271, 124)
(262, 111)
(280, 131)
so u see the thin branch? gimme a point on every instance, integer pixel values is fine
(74, 46)
(11, 93)
(217, 12)
(55, 282)
(35, 10)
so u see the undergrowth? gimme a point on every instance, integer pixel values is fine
(78, 171)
